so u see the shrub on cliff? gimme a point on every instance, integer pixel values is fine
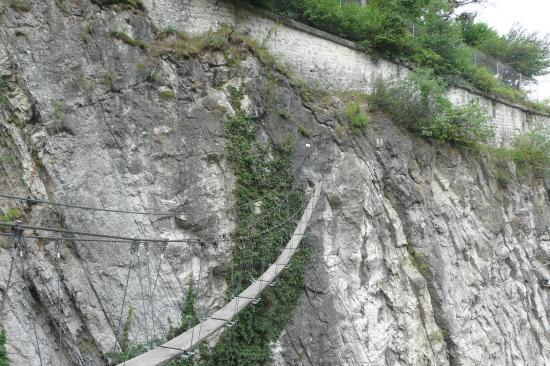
(418, 102)
(121, 4)
(531, 151)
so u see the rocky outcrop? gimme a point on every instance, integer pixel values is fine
(420, 255)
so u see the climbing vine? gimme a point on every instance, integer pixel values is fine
(265, 197)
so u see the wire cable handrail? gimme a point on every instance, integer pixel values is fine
(115, 238)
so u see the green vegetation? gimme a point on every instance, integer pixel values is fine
(128, 351)
(530, 151)
(188, 319)
(124, 37)
(418, 103)
(418, 259)
(21, 5)
(526, 52)
(155, 74)
(359, 119)
(182, 45)
(167, 94)
(438, 40)
(108, 80)
(86, 33)
(121, 4)
(258, 169)
(7, 158)
(188, 314)
(125, 341)
(4, 361)
(11, 215)
(59, 109)
(3, 89)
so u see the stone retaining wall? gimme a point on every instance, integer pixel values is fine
(319, 58)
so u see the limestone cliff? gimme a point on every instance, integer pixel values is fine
(420, 255)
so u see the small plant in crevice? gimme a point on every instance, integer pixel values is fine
(62, 6)
(7, 158)
(358, 118)
(108, 80)
(126, 38)
(59, 109)
(86, 84)
(86, 33)
(167, 94)
(11, 215)
(121, 4)
(304, 131)
(261, 170)
(21, 5)
(155, 74)
(418, 259)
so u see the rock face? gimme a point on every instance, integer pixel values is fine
(420, 255)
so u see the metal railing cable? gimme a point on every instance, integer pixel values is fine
(58, 244)
(14, 253)
(121, 239)
(156, 213)
(118, 335)
(29, 303)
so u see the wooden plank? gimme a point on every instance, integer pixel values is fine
(224, 316)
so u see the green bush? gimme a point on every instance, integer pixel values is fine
(359, 119)
(531, 151)
(167, 94)
(124, 37)
(418, 102)
(11, 215)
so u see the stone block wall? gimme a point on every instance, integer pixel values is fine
(322, 59)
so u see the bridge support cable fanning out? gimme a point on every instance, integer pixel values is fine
(182, 345)
(31, 200)
(94, 237)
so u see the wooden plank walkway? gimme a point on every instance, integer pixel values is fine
(224, 316)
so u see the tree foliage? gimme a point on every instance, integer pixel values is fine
(526, 52)
(425, 33)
